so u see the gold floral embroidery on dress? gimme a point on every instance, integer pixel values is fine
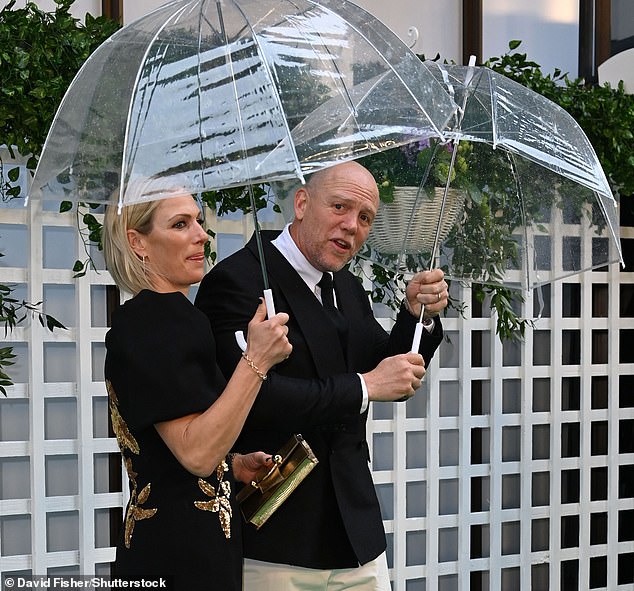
(135, 512)
(219, 502)
(126, 441)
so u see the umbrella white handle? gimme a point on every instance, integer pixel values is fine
(270, 311)
(418, 335)
(270, 305)
(241, 340)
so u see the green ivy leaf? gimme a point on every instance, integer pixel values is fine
(90, 220)
(14, 174)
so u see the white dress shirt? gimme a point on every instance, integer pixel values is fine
(311, 276)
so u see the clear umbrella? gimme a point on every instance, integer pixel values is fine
(516, 197)
(211, 94)
(213, 89)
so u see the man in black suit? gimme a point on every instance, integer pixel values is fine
(330, 530)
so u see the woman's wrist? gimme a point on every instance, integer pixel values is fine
(261, 374)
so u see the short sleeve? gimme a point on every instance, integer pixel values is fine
(160, 360)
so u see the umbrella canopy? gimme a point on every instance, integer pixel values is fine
(516, 197)
(215, 92)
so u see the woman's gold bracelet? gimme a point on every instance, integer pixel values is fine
(254, 367)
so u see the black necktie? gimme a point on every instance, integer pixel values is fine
(328, 302)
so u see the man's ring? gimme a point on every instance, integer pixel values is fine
(439, 296)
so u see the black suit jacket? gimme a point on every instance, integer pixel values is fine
(332, 520)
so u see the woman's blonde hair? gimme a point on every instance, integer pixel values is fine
(125, 266)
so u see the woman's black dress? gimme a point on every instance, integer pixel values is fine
(160, 365)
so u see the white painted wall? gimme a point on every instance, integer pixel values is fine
(80, 7)
(136, 9)
(438, 23)
(549, 31)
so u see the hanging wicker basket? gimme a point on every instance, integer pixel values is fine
(407, 226)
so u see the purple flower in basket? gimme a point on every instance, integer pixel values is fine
(411, 151)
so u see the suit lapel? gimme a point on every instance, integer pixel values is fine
(304, 308)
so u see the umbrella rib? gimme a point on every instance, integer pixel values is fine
(494, 108)
(258, 238)
(346, 93)
(56, 117)
(520, 196)
(455, 142)
(265, 65)
(199, 94)
(388, 64)
(418, 333)
(122, 180)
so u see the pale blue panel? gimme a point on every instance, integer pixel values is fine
(60, 362)
(448, 496)
(15, 531)
(19, 371)
(98, 359)
(416, 548)
(61, 475)
(385, 494)
(448, 451)
(100, 414)
(227, 244)
(383, 451)
(15, 479)
(60, 418)
(14, 245)
(102, 528)
(14, 419)
(416, 499)
(59, 302)
(449, 352)
(98, 311)
(447, 544)
(59, 246)
(62, 531)
(449, 399)
(416, 454)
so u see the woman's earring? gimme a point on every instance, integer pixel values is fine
(143, 260)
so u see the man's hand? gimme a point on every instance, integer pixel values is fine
(395, 378)
(428, 288)
(246, 466)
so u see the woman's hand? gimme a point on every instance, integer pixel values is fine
(200, 441)
(245, 467)
(267, 342)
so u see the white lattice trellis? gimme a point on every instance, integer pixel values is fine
(461, 469)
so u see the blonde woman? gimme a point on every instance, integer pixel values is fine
(174, 415)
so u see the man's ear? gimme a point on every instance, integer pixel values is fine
(137, 243)
(301, 201)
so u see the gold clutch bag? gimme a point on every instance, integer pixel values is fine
(272, 486)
